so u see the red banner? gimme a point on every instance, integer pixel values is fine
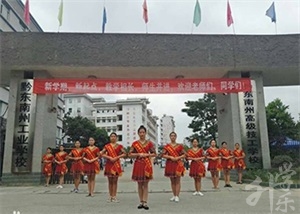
(133, 86)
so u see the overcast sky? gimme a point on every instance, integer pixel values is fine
(175, 16)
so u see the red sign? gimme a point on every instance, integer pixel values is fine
(133, 86)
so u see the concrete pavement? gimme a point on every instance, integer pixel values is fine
(47, 200)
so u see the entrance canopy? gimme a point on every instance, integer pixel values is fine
(148, 56)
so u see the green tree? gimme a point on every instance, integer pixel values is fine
(81, 128)
(298, 129)
(204, 114)
(280, 125)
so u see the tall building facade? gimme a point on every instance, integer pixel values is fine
(167, 125)
(122, 116)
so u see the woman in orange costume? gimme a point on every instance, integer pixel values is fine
(77, 165)
(239, 162)
(142, 150)
(214, 165)
(47, 161)
(61, 169)
(113, 152)
(197, 169)
(174, 153)
(91, 166)
(227, 163)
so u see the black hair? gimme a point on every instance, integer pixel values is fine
(194, 139)
(237, 144)
(49, 148)
(142, 127)
(113, 133)
(211, 141)
(173, 133)
(223, 143)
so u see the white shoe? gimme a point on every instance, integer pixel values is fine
(173, 198)
(176, 199)
(200, 193)
(195, 193)
(59, 187)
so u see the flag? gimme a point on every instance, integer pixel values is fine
(229, 15)
(271, 12)
(145, 11)
(104, 20)
(197, 14)
(60, 12)
(27, 13)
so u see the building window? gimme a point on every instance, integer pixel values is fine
(120, 108)
(70, 110)
(109, 120)
(114, 120)
(103, 120)
(1, 8)
(78, 110)
(102, 111)
(120, 137)
(79, 100)
(120, 128)
(98, 111)
(70, 100)
(98, 120)
(8, 14)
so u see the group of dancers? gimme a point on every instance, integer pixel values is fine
(85, 161)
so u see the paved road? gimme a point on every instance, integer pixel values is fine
(48, 200)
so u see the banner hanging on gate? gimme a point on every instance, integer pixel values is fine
(134, 86)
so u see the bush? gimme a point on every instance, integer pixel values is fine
(279, 160)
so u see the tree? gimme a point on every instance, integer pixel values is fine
(280, 126)
(204, 114)
(80, 128)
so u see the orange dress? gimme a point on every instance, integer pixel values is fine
(91, 153)
(213, 165)
(47, 167)
(77, 165)
(113, 169)
(174, 168)
(197, 168)
(61, 169)
(239, 163)
(226, 164)
(142, 167)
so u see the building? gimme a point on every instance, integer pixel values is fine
(122, 116)
(11, 20)
(125, 117)
(78, 105)
(167, 125)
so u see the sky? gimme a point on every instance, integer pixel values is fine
(176, 17)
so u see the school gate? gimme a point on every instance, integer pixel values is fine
(265, 60)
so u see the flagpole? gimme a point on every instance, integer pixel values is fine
(192, 28)
(146, 28)
(276, 28)
(233, 29)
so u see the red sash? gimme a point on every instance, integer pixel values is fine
(61, 157)
(226, 153)
(48, 166)
(91, 155)
(77, 154)
(140, 149)
(180, 166)
(192, 154)
(116, 168)
(214, 154)
(240, 162)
